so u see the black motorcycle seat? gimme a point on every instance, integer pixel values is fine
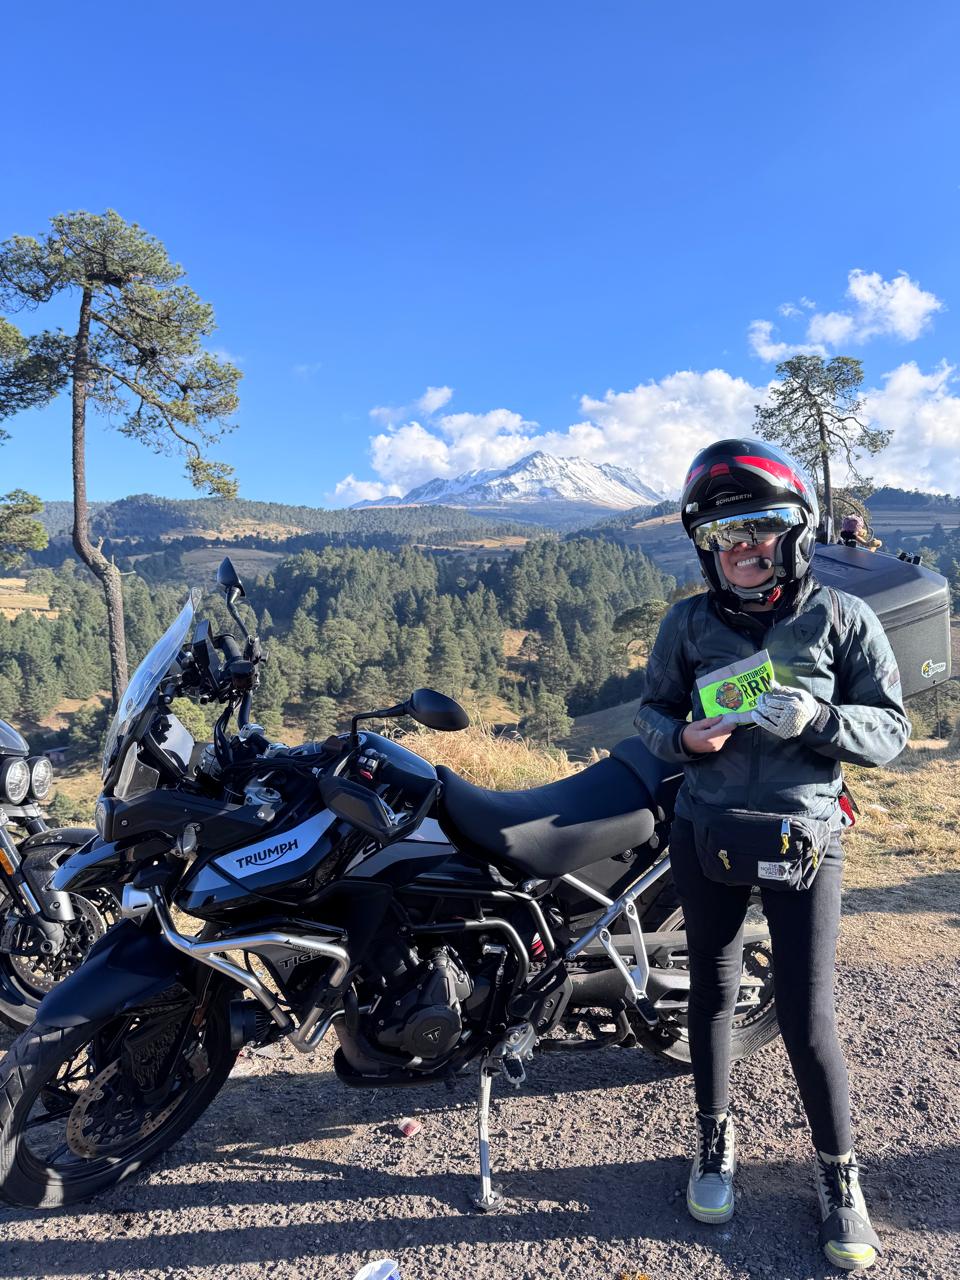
(553, 830)
(661, 780)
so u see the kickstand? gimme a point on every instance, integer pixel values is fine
(488, 1201)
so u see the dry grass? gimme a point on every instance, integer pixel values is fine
(501, 764)
(673, 518)
(16, 599)
(66, 708)
(81, 787)
(902, 877)
(513, 638)
(236, 529)
(508, 542)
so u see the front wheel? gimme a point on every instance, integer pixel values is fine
(82, 1108)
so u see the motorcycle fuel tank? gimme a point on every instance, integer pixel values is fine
(280, 858)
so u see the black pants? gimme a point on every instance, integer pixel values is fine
(803, 932)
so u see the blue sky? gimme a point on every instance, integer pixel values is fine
(571, 216)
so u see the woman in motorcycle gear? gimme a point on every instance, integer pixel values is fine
(753, 515)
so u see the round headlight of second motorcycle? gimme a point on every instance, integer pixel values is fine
(15, 781)
(41, 777)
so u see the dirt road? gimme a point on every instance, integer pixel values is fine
(291, 1175)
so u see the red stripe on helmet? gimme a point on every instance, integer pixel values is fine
(720, 469)
(776, 469)
(694, 472)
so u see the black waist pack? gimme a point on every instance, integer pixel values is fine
(774, 851)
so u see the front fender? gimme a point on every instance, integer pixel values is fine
(65, 838)
(127, 966)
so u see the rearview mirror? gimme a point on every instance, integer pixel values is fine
(436, 710)
(229, 580)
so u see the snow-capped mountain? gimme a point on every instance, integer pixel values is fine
(538, 478)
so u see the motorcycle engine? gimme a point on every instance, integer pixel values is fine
(422, 1017)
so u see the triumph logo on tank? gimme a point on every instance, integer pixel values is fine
(267, 855)
(287, 846)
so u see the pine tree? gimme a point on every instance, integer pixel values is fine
(548, 720)
(555, 668)
(322, 717)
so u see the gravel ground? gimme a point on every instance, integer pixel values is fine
(290, 1174)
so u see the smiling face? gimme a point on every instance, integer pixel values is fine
(741, 566)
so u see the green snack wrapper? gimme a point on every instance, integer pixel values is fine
(732, 691)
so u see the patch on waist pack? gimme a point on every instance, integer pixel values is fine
(773, 870)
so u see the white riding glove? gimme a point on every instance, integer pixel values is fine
(785, 711)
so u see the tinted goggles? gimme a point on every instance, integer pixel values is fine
(756, 526)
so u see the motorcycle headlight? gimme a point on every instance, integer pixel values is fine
(41, 777)
(15, 780)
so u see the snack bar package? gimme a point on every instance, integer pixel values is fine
(732, 692)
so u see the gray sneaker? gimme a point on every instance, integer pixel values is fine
(710, 1189)
(846, 1236)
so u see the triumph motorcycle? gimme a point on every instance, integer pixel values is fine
(348, 887)
(44, 932)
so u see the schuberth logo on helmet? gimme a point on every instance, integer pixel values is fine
(735, 497)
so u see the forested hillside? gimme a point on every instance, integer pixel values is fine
(351, 626)
(145, 516)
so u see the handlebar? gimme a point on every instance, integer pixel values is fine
(228, 647)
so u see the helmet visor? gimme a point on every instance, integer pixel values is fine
(749, 527)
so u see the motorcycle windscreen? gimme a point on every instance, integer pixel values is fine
(143, 684)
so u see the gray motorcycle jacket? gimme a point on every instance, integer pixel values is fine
(831, 644)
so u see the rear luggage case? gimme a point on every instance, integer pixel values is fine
(911, 601)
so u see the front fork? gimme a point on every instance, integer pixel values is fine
(31, 894)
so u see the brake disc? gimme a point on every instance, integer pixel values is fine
(44, 972)
(108, 1117)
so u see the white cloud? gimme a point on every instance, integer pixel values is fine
(350, 490)
(657, 427)
(308, 369)
(924, 415)
(654, 428)
(832, 328)
(896, 308)
(383, 413)
(434, 398)
(760, 337)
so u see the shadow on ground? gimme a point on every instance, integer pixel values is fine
(940, 892)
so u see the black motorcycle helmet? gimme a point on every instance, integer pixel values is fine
(743, 478)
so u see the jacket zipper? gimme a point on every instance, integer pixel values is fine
(756, 755)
